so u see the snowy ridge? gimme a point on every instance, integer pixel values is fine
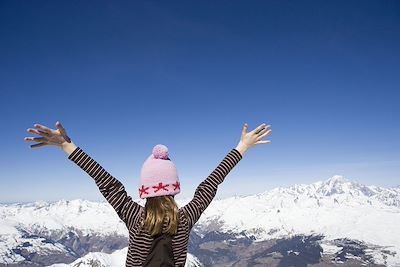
(23, 225)
(61, 215)
(99, 259)
(338, 185)
(336, 208)
(115, 259)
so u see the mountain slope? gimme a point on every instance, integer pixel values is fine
(336, 208)
(115, 259)
(341, 213)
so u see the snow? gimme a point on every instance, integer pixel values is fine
(115, 259)
(336, 208)
(329, 248)
(63, 214)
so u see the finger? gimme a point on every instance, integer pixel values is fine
(37, 139)
(63, 132)
(38, 132)
(44, 128)
(59, 126)
(264, 130)
(66, 138)
(38, 145)
(244, 130)
(259, 128)
(264, 135)
(263, 142)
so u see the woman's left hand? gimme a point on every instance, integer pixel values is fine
(49, 136)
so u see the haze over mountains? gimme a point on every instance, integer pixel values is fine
(327, 223)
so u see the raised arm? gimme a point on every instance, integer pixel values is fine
(207, 190)
(112, 189)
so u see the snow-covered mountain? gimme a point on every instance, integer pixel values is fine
(115, 259)
(336, 208)
(339, 219)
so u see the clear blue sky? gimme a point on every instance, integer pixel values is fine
(123, 76)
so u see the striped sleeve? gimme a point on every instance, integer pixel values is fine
(207, 189)
(112, 189)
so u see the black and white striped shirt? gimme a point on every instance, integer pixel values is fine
(132, 213)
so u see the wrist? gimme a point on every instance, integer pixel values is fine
(242, 148)
(68, 148)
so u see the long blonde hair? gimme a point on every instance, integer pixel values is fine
(161, 215)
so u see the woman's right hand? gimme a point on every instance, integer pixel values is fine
(49, 136)
(250, 139)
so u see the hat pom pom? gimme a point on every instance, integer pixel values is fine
(160, 152)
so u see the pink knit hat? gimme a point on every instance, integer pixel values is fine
(158, 176)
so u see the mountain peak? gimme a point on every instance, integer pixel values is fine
(337, 179)
(337, 184)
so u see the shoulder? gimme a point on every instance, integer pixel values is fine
(140, 218)
(183, 216)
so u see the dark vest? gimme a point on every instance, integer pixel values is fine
(161, 253)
